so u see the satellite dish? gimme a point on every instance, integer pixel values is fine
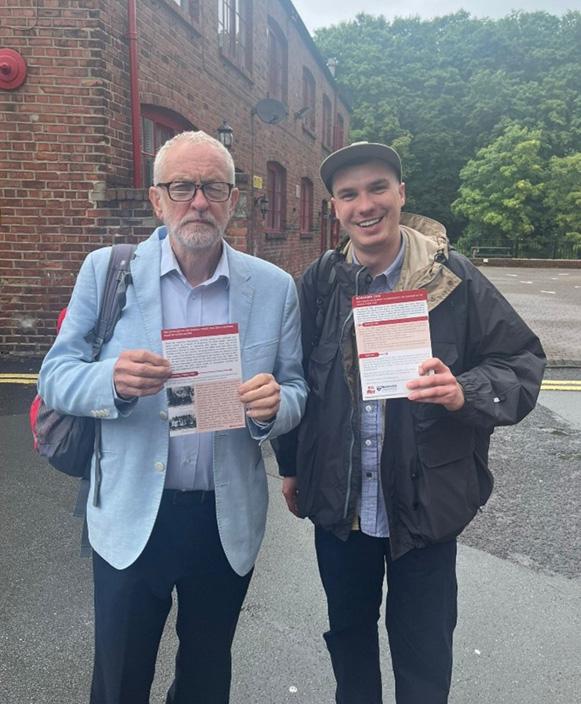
(270, 110)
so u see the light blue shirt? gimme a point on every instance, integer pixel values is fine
(190, 462)
(372, 512)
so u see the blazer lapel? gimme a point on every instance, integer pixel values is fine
(241, 294)
(145, 269)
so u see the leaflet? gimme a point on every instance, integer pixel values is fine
(202, 391)
(393, 338)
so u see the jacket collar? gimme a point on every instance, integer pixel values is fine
(426, 251)
(242, 290)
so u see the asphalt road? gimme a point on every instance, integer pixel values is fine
(519, 633)
(550, 302)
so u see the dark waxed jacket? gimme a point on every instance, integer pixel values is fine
(434, 462)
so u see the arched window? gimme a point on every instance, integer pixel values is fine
(157, 126)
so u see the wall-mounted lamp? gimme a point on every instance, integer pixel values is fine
(261, 202)
(303, 112)
(225, 135)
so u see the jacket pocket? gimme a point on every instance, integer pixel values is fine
(448, 490)
(259, 358)
(321, 363)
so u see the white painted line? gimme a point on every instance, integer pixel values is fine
(564, 274)
(527, 282)
(515, 275)
(553, 292)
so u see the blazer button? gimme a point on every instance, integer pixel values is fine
(159, 466)
(163, 415)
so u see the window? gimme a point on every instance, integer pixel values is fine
(340, 132)
(234, 31)
(276, 194)
(306, 205)
(327, 123)
(277, 63)
(190, 7)
(157, 126)
(309, 98)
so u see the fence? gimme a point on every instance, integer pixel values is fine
(551, 248)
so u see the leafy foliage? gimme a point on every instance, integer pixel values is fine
(486, 115)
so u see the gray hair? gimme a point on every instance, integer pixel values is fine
(192, 138)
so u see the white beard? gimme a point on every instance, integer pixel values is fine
(196, 236)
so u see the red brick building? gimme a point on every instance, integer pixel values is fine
(89, 90)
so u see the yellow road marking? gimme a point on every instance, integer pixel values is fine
(560, 385)
(18, 378)
(547, 384)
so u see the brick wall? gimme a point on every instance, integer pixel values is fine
(66, 157)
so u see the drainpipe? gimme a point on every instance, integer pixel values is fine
(133, 80)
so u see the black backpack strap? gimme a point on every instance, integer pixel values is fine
(114, 296)
(326, 276)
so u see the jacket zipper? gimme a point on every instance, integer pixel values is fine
(350, 470)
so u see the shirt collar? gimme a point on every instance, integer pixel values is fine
(169, 264)
(393, 270)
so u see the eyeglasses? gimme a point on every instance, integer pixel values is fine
(182, 191)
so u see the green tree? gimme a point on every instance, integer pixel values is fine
(563, 200)
(441, 90)
(502, 188)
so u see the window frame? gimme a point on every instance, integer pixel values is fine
(327, 134)
(233, 14)
(161, 119)
(276, 194)
(339, 131)
(307, 204)
(309, 98)
(189, 8)
(277, 63)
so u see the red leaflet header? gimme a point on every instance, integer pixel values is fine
(378, 299)
(200, 331)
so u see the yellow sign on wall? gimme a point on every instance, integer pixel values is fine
(257, 181)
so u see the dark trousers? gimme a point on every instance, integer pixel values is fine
(131, 607)
(420, 619)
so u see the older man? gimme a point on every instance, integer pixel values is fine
(188, 511)
(389, 485)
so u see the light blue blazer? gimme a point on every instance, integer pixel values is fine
(135, 439)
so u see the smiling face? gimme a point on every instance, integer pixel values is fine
(368, 199)
(198, 224)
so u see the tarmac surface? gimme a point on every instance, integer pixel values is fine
(519, 567)
(549, 300)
